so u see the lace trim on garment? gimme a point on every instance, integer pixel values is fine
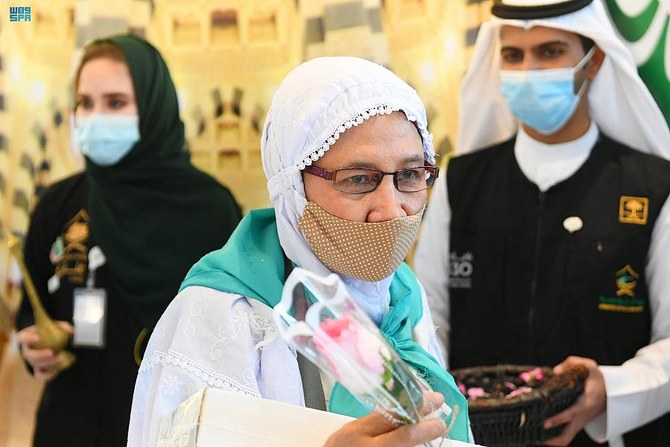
(208, 376)
(264, 328)
(384, 109)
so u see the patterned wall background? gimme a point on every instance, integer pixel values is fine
(227, 57)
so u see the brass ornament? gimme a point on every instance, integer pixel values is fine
(52, 336)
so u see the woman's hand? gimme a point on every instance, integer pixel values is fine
(375, 430)
(45, 363)
(586, 408)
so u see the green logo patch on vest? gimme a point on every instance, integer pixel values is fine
(624, 301)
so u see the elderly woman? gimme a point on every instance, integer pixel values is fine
(349, 159)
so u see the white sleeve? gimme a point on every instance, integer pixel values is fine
(639, 390)
(431, 260)
(208, 338)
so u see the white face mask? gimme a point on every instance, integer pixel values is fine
(105, 139)
(363, 250)
(544, 100)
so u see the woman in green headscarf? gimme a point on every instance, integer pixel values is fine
(129, 227)
(349, 159)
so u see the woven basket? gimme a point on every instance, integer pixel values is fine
(517, 421)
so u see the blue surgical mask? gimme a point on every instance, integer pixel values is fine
(105, 139)
(544, 100)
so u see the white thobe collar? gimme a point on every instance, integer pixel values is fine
(548, 164)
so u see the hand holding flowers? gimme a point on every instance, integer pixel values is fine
(339, 337)
(376, 430)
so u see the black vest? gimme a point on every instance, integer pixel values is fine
(528, 286)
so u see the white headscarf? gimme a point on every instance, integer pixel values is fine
(316, 102)
(619, 102)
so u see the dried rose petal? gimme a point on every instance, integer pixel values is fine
(476, 392)
(519, 391)
(462, 388)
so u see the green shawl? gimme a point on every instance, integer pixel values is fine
(154, 214)
(252, 264)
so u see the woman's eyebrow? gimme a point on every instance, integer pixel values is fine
(116, 95)
(367, 164)
(359, 164)
(104, 95)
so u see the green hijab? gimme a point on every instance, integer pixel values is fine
(154, 214)
(252, 264)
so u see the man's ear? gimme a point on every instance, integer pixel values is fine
(595, 63)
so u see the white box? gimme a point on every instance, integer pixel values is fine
(216, 418)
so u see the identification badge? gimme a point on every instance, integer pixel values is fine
(90, 315)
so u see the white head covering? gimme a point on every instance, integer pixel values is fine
(316, 102)
(619, 102)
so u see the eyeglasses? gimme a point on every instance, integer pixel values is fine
(362, 180)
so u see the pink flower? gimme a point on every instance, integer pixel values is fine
(519, 391)
(462, 388)
(371, 353)
(338, 339)
(476, 392)
(532, 375)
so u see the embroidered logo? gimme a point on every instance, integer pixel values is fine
(626, 280)
(460, 270)
(633, 210)
(74, 260)
(625, 301)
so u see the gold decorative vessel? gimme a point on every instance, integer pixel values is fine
(52, 336)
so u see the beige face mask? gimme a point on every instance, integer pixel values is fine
(368, 251)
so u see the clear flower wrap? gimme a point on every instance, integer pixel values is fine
(335, 334)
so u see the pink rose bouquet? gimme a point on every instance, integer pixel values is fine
(336, 335)
(346, 335)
